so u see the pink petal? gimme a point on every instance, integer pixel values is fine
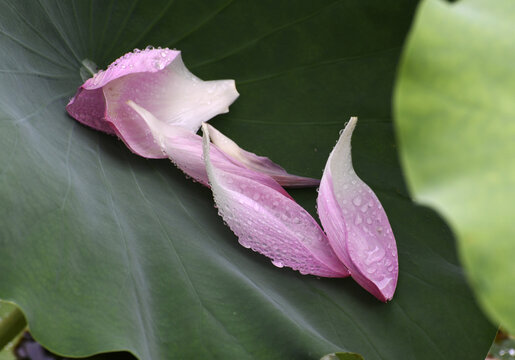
(88, 108)
(259, 163)
(184, 148)
(157, 80)
(356, 223)
(267, 220)
(181, 146)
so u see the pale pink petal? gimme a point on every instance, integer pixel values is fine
(181, 146)
(356, 223)
(258, 163)
(184, 148)
(88, 106)
(267, 220)
(157, 80)
(149, 60)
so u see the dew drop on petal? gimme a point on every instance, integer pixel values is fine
(371, 270)
(357, 201)
(277, 263)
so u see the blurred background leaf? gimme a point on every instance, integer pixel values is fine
(455, 119)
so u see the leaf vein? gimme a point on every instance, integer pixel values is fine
(263, 36)
(202, 23)
(142, 317)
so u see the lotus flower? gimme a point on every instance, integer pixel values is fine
(266, 219)
(184, 148)
(157, 80)
(155, 105)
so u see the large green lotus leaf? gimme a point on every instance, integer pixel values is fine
(455, 118)
(104, 250)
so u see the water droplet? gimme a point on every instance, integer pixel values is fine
(379, 229)
(357, 201)
(371, 270)
(256, 196)
(375, 255)
(277, 263)
(364, 208)
(358, 220)
(159, 65)
(296, 220)
(383, 283)
(163, 54)
(388, 262)
(390, 269)
(369, 221)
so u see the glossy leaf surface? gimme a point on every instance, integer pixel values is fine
(104, 250)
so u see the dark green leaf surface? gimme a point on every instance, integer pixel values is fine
(343, 356)
(455, 113)
(104, 250)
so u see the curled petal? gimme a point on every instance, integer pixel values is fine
(356, 223)
(181, 146)
(259, 163)
(88, 107)
(157, 80)
(267, 220)
(184, 148)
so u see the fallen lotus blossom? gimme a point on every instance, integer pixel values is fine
(184, 149)
(356, 223)
(157, 80)
(155, 105)
(267, 220)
